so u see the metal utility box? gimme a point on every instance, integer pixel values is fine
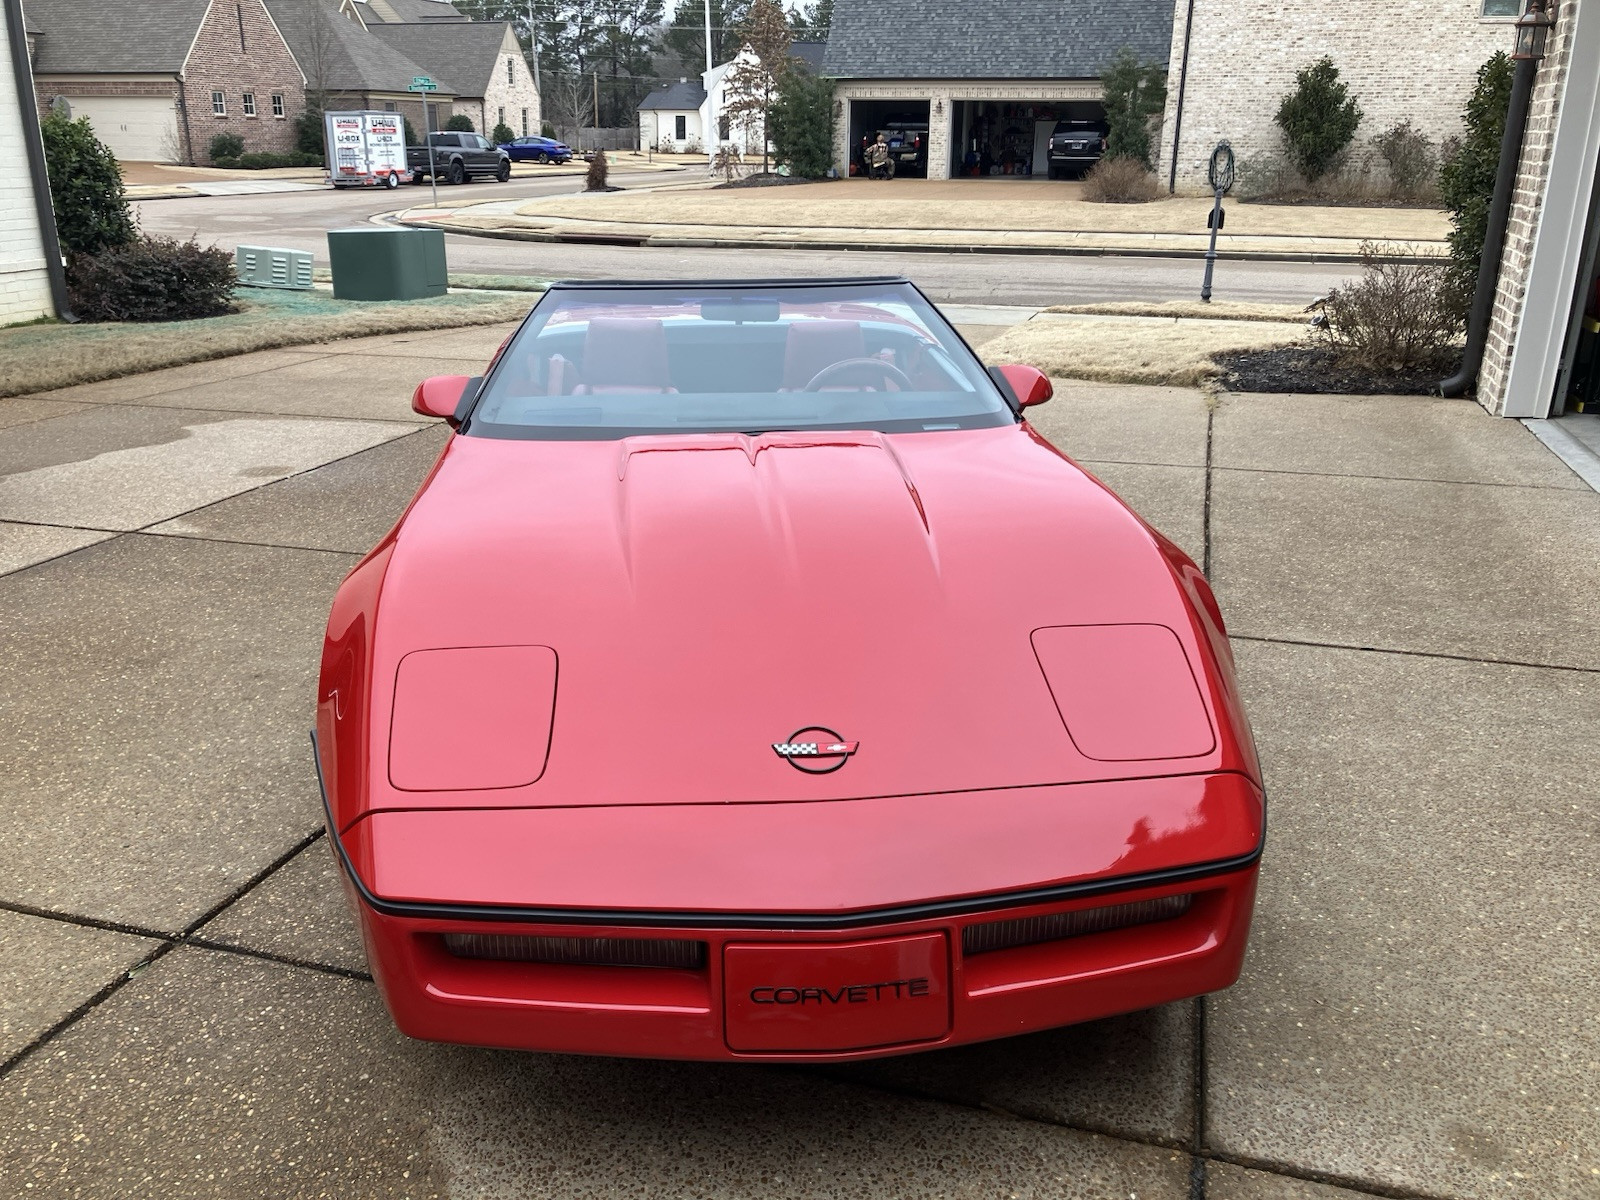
(262, 266)
(374, 263)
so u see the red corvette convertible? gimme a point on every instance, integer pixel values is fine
(749, 680)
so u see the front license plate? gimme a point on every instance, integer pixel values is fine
(809, 996)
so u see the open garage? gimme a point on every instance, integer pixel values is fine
(991, 102)
(904, 122)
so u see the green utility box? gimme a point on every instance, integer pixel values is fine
(375, 263)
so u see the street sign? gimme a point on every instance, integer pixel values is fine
(422, 83)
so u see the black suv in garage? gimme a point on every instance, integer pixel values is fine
(1075, 146)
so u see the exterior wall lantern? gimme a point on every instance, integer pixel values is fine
(1533, 30)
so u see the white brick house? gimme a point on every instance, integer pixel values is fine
(1411, 60)
(24, 278)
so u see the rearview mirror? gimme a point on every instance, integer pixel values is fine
(1027, 384)
(444, 397)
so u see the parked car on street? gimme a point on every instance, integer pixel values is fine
(1075, 147)
(537, 149)
(750, 680)
(458, 157)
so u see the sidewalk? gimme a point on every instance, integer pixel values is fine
(184, 1004)
(993, 216)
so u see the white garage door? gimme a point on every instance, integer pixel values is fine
(137, 128)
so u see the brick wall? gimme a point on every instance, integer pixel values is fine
(239, 51)
(47, 87)
(24, 286)
(1402, 59)
(1527, 203)
(514, 95)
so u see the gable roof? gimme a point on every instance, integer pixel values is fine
(467, 53)
(682, 96)
(77, 37)
(355, 60)
(965, 39)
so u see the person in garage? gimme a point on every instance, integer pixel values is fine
(879, 164)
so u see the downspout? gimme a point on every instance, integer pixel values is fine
(1494, 240)
(22, 69)
(1183, 82)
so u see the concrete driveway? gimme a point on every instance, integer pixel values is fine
(184, 1009)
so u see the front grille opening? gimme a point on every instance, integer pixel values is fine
(1028, 931)
(585, 952)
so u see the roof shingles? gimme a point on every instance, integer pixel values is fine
(77, 37)
(467, 53)
(961, 39)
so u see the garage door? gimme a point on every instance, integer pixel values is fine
(137, 128)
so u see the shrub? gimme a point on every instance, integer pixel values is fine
(691, 145)
(547, 130)
(802, 124)
(410, 131)
(1265, 175)
(92, 211)
(1134, 94)
(1398, 316)
(460, 123)
(1318, 119)
(152, 279)
(596, 180)
(502, 134)
(226, 164)
(1121, 181)
(1466, 181)
(308, 132)
(1413, 159)
(225, 145)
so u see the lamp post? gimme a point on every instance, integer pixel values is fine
(1533, 34)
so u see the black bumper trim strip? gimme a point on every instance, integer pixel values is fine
(661, 919)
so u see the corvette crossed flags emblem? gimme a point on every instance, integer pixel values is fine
(833, 750)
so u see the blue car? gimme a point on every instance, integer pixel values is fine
(537, 149)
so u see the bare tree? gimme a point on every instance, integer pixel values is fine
(752, 82)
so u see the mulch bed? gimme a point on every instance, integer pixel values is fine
(1301, 199)
(768, 180)
(1316, 370)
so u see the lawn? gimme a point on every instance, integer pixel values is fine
(40, 358)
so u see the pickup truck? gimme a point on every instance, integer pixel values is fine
(458, 157)
(907, 135)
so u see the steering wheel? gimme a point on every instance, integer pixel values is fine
(887, 371)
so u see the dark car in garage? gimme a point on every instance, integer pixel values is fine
(1075, 147)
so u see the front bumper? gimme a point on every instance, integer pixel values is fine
(656, 1012)
(858, 895)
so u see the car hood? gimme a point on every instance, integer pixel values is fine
(706, 597)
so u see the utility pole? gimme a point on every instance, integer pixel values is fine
(533, 50)
(711, 106)
(596, 77)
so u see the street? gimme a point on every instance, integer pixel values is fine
(300, 221)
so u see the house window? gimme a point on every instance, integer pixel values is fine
(511, 70)
(1502, 8)
(219, 104)
(502, 116)
(277, 105)
(724, 129)
(524, 122)
(680, 127)
(249, 104)
(388, 106)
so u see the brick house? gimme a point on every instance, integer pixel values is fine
(1231, 65)
(990, 83)
(167, 76)
(482, 60)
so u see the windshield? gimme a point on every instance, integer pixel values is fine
(614, 362)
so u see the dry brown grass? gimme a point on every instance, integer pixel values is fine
(41, 358)
(1216, 310)
(1175, 353)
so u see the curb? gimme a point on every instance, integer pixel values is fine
(682, 243)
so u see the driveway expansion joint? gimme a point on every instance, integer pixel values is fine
(1463, 658)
